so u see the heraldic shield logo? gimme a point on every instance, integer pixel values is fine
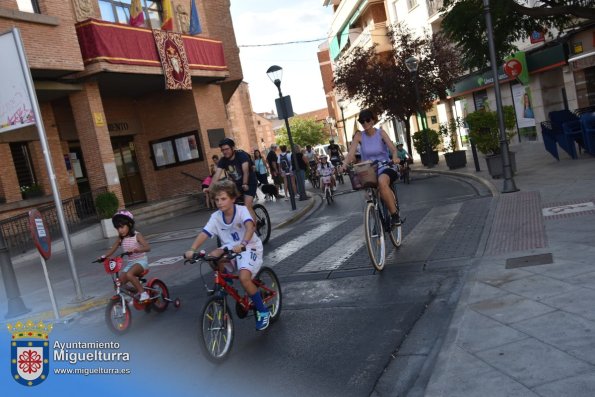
(29, 352)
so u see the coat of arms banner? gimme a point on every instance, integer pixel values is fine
(173, 60)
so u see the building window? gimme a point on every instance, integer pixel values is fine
(21, 158)
(479, 99)
(29, 6)
(411, 4)
(119, 11)
(176, 150)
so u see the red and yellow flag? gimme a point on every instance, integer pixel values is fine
(168, 16)
(137, 16)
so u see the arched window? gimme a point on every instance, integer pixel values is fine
(119, 11)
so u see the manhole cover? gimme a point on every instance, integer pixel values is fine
(530, 260)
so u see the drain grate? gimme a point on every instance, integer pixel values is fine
(530, 260)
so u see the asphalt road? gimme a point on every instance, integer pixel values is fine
(345, 330)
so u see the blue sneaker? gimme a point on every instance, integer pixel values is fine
(262, 320)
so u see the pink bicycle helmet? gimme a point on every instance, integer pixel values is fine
(124, 217)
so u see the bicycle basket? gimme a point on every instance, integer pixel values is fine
(112, 265)
(366, 175)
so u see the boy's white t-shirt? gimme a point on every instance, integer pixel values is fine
(233, 233)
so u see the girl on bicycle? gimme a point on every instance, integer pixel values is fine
(325, 169)
(134, 243)
(235, 227)
(374, 143)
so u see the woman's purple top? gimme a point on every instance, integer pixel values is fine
(373, 147)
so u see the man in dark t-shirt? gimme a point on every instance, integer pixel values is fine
(239, 168)
(272, 159)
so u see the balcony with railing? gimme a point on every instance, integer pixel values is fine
(108, 46)
(367, 37)
(434, 7)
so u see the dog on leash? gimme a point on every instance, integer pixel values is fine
(270, 192)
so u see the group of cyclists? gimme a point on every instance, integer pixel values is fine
(235, 225)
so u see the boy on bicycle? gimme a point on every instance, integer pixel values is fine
(235, 227)
(404, 157)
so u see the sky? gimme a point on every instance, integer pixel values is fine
(275, 21)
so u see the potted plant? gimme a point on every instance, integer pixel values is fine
(424, 141)
(454, 158)
(106, 205)
(485, 134)
(31, 191)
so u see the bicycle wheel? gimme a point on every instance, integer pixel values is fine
(263, 226)
(374, 237)
(316, 183)
(216, 330)
(270, 291)
(328, 195)
(118, 316)
(406, 178)
(158, 290)
(396, 236)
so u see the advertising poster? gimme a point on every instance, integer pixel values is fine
(15, 105)
(523, 106)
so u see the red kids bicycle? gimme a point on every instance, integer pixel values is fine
(217, 328)
(117, 313)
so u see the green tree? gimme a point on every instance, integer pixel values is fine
(383, 83)
(464, 24)
(303, 131)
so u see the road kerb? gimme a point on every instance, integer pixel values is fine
(483, 181)
(298, 215)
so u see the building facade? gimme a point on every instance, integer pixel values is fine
(356, 23)
(110, 122)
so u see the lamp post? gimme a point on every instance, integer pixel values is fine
(275, 73)
(412, 64)
(509, 185)
(341, 103)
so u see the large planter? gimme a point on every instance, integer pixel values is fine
(494, 163)
(32, 194)
(456, 159)
(108, 229)
(433, 157)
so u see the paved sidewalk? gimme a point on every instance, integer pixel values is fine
(168, 239)
(524, 323)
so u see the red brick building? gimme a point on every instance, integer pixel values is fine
(109, 121)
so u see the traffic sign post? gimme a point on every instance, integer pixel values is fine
(43, 242)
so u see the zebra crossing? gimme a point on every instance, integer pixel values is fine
(418, 242)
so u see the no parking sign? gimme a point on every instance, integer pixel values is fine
(40, 234)
(41, 238)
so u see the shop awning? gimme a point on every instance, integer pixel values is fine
(582, 61)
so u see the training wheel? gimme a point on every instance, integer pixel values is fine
(177, 303)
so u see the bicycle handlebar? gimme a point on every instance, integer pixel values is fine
(102, 258)
(202, 255)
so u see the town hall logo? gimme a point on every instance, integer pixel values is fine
(29, 352)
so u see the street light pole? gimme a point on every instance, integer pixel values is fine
(341, 106)
(275, 72)
(509, 185)
(412, 65)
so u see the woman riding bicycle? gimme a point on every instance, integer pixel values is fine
(374, 143)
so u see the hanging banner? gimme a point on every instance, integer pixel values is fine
(16, 110)
(170, 47)
(521, 97)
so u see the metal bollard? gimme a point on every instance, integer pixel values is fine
(474, 152)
